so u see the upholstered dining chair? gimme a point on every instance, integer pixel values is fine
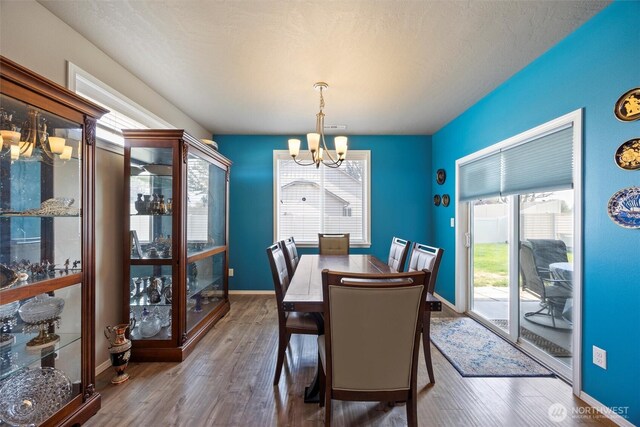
(288, 322)
(398, 253)
(333, 243)
(291, 256)
(428, 258)
(370, 348)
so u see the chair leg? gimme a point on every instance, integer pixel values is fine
(426, 344)
(283, 341)
(412, 409)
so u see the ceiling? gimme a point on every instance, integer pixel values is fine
(393, 67)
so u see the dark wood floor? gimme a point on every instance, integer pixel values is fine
(227, 381)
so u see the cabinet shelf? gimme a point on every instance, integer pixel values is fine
(21, 356)
(30, 288)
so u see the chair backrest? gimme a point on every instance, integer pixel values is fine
(535, 257)
(398, 254)
(333, 243)
(372, 329)
(279, 273)
(291, 256)
(425, 257)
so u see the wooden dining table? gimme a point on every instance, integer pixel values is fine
(305, 290)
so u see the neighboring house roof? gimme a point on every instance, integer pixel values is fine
(331, 191)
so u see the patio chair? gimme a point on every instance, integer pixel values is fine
(535, 257)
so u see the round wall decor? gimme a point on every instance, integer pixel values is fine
(627, 108)
(628, 155)
(441, 176)
(445, 200)
(436, 200)
(624, 207)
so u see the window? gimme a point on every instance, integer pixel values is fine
(123, 112)
(311, 200)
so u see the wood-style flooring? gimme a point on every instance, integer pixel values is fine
(227, 381)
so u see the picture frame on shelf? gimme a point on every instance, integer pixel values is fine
(136, 249)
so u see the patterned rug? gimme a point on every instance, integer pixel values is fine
(475, 351)
(540, 342)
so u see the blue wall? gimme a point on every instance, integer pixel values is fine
(400, 198)
(589, 69)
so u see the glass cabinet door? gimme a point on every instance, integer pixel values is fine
(206, 205)
(40, 195)
(151, 274)
(40, 244)
(206, 237)
(205, 287)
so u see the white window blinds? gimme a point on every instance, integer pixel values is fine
(544, 162)
(313, 200)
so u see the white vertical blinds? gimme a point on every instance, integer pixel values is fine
(541, 163)
(322, 200)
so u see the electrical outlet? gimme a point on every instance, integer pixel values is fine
(231, 272)
(599, 357)
(452, 222)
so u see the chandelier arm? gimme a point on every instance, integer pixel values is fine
(334, 164)
(303, 164)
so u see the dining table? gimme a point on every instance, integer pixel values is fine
(304, 293)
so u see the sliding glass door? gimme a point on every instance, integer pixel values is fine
(519, 200)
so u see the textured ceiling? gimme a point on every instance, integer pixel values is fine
(394, 67)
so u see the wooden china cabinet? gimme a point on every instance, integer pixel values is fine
(47, 258)
(176, 242)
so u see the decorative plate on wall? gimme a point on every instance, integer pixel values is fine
(628, 155)
(627, 108)
(445, 200)
(441, 176)
(624, 207)
(436, 200)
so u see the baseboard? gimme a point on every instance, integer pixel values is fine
(252, 292)
(445, 302)
(103, 367)
(606, 411)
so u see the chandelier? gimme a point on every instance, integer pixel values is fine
(316, 143)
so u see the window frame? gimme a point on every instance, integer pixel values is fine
(305, 156)
(99, 92)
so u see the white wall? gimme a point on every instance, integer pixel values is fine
(35, 38)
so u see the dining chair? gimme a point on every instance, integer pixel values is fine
(398, 254)
(291, 256)
(428, 258)
(288, 322)
(371, 344)
(333, 243)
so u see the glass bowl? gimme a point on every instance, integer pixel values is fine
(41, 308)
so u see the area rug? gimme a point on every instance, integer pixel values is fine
(475, 351)
(540, 342)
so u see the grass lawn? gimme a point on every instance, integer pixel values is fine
(491, 264)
